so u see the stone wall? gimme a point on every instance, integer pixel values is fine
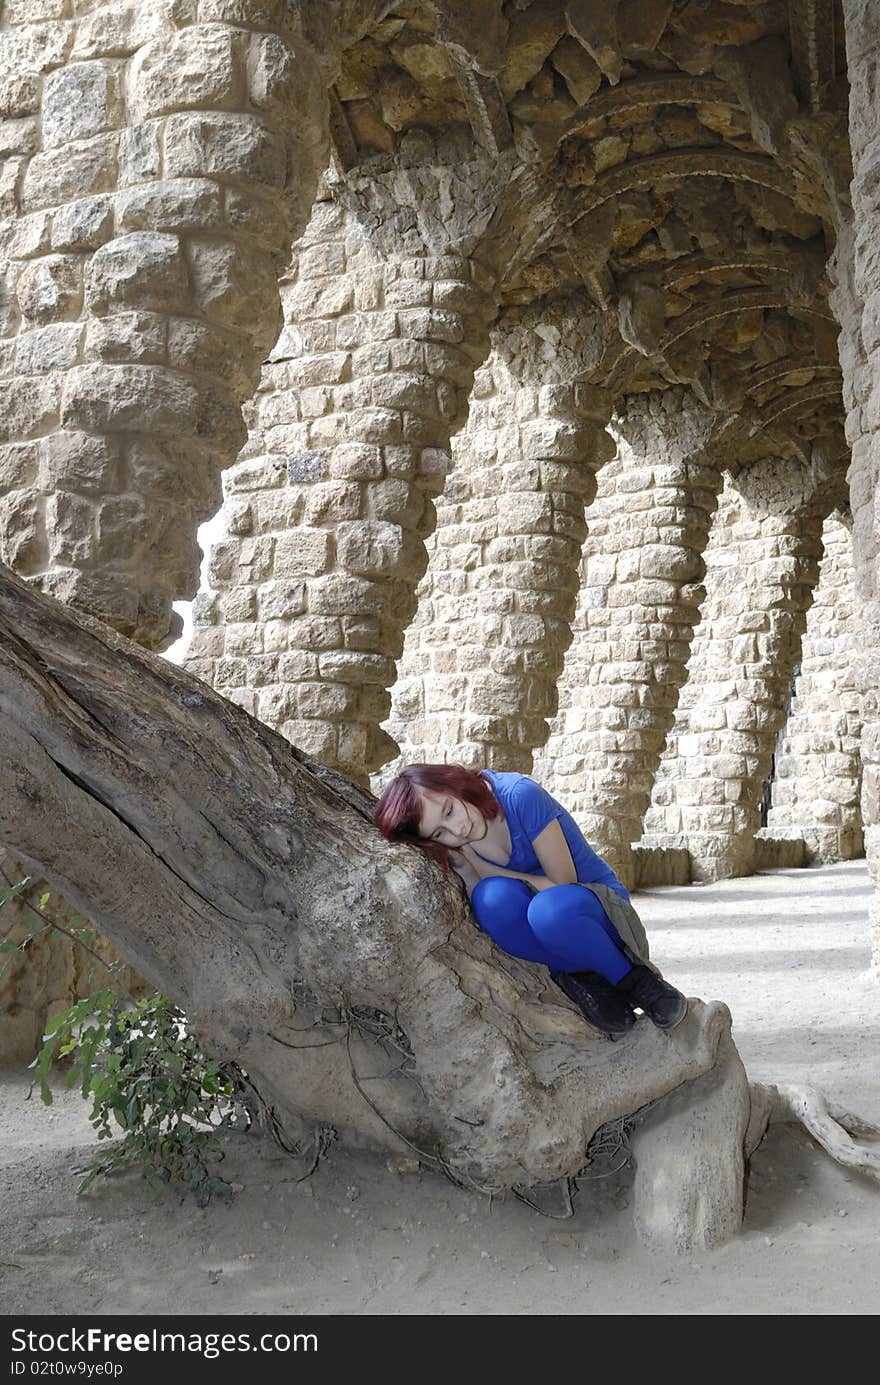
(159, 154)
(817, 771)
(478, 676)
(857, 306)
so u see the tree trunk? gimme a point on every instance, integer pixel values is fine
(345, 975)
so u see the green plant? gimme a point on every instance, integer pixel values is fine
(142, 1070)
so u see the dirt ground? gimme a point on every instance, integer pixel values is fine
(788, 951)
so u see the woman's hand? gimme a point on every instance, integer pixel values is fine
(483, 868)
(464, 867)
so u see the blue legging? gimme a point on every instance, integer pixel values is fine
(564, 926)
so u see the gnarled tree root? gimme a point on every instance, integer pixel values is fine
(831, 1126)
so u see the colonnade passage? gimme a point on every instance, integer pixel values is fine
(533, 352)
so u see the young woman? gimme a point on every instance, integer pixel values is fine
(536, 886)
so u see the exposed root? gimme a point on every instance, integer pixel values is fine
(830, 1125)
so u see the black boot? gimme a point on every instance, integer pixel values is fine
(598, 1001)
(663, 1004)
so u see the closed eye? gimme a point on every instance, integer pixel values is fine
(447, 810)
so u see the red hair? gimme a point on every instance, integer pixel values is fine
(399, 810)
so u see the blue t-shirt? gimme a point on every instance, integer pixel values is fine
(528, 809)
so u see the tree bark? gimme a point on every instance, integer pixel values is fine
(345, 975)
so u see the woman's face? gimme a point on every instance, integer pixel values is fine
(449, 820)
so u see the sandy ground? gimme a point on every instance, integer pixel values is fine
(789, 953)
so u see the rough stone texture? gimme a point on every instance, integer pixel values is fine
(660, 865)
(762, 566)
(856, 302)
(639, 600)
(166, 150)
(481, 660)
(329, 506)
(817, 771)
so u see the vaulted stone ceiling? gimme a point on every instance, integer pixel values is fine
(689, 163)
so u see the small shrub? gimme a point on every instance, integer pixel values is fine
(142, 1070)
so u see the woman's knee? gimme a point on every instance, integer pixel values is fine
(555, 904)
(496, 895)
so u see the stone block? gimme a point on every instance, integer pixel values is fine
(140, 153)
(129, 397)
(296, 665)
(206, 642)
(19, 88)
(431, 324)
(80, 100)
(18, 137)
(127, 25)
(225, 146)
(31, 49)
(260, 214)
(370, 547)
(306, 466)
(123, 527)
(236, 286)
(314, 632)
(127, 337)
(396, 501)
(28, 406)
(54, 347)
(197, 68)
(322, 259)
(314, 738)
(343, 594)
(144, 269)
(303, 552)
(328, 369)
(83, 225)
(19, 464)
(80, 462)
(87, 166)
(356, 462)
(332, 701)
(50, 289)
(356, 667)
(284, 84)
(255, 473)
(70, 529)
(172, 204)
(30, 236)
(238, 517)
(229, 673)
(281, 600)
(22, 541)
(332, 501)
(198, 346)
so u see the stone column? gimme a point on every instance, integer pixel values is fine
(761, 568)
(818, 770)
(639, 602)
(329, 506)
(856, 303)
(477, 680)
(162, 151)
